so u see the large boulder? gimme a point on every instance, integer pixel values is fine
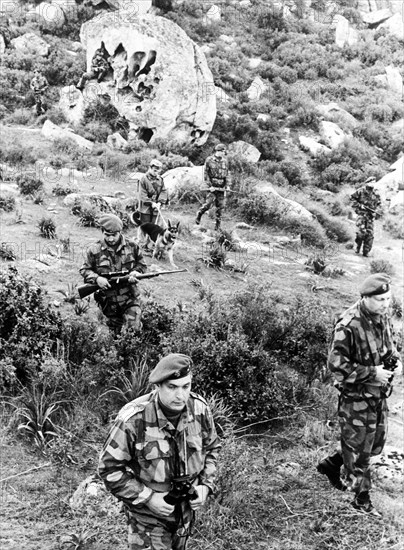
(332, 133)
(394, 80)
(395, 25)
(53, 132)
(184, 178)
(333, 112)
(164, 81)
(31, 43)
(311, 145)
(291, 208)
(245, 151)
(72, 104)
(256, 89)
(213, 15)
(390, 185)
(376, 17)
(345, 34)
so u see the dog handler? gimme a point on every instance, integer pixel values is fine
(115, 253)
(361, 354)
(153, 193)
(160, 458)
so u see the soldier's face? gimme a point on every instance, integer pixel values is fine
(378, 305)
(155, 169)
(174, 394)
(111, 238)
(220, 154)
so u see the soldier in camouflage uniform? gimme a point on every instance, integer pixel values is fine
(115, 253)
(365, 202)
(99, 67)
(39, 85)
(217, 177)
(156, 438)
(153, 193)
(362, 338)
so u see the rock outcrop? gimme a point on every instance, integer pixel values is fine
(345, 34)
(311, 145)
(332, 134)
(334, 113)
(31, 43)
(52, 131)
(159, 78)
(291, 208)
(395, 25)
(184, 178)
(245, 151)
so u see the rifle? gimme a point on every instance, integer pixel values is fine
(368, 208)
(118, 278)
(223, 189)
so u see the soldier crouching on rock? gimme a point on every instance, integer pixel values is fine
(115, 253)
(160, 458)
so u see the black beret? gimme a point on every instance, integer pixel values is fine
(220, 147)
(171, 367)
(110, 223)
(375, 284)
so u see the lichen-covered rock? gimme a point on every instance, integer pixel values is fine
(159, 79)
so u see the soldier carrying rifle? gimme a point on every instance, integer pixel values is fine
(217, 177)
(366, 203)
(160, 458)
(115, 253)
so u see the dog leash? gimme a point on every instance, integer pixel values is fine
(160, 215)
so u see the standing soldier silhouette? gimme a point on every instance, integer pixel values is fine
(365, 202)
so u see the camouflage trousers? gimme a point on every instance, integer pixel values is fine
(213, 199)
(363, 424)
(148, 532)
(364, 233)
(120, 309)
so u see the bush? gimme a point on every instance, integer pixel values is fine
(47, 228)
(29, 327)
(29, 184)
(7, 202)
(7, 252)
(381, 266)
(336, 229)
(63, 189)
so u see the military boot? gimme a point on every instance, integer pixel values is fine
(331, 467)
(198, 218)
(217, 225)
(362, 503)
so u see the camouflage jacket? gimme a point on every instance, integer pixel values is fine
(103, 259)
(216, 172)
(99, 61)
(39, 83)
(367, 197)
(144, 451)
(359, 342)
(152, 189)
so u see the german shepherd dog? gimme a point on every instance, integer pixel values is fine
(163, 239)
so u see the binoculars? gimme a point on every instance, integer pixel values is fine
(182, 490)
(389, 361)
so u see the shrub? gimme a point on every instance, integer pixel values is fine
(381, 266)
(28, 325)
(336, 229)
(63, 189)
(7, 252)
(29, 184)
(7, 202)
(394, 226)
(47, 227)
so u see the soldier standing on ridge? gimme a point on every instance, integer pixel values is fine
(365, 201)
(99, 67)
(217, 177)
(160, 458)
(362, 359)
(39, 85)
(115, 253)
(152, 193)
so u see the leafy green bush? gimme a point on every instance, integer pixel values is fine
(335, 228)
(63, 189)
(29, 184)
(7, 202)
(381, 266)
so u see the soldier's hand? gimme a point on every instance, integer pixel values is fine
(211, 188)
(133, 280)
(382, 375)
(159, 506)
(203, 492)
(155, 205)
(103, 283)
